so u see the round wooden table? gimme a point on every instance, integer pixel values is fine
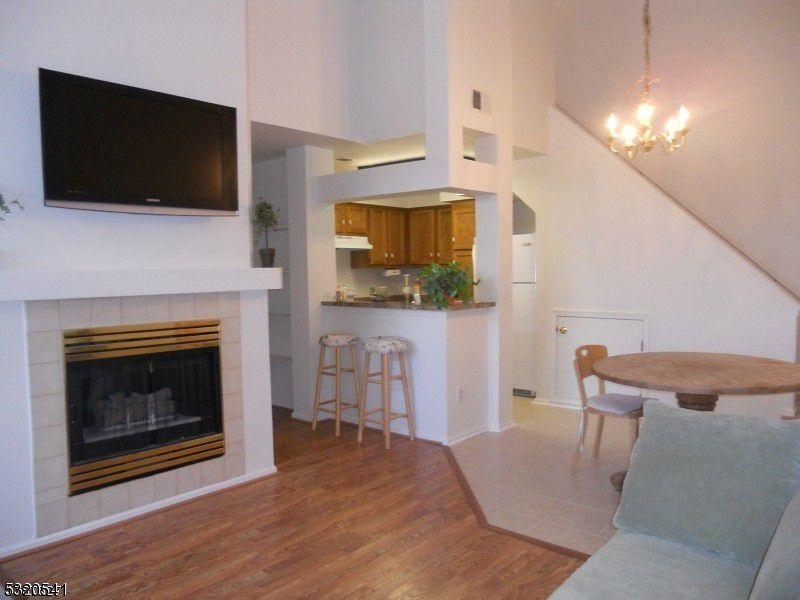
(698, 378)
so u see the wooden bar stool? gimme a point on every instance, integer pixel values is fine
(336, 341)
(386, 347)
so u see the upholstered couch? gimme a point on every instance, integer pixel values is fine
(710, 510)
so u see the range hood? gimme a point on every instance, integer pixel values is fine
(353, 242)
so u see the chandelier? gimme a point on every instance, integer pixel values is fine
(640, 139)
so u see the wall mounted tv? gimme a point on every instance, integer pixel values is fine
(118, 148)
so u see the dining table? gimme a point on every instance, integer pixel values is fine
(698, 378)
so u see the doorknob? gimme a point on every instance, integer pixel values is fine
(561, 329)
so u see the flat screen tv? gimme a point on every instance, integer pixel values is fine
(118, 148)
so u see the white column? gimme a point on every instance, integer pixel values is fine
(256, 392)
(17, 524)
(313, 271)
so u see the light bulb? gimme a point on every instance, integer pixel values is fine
(628, 133)
(612, 125)
(644, 113)
(672, 127)
(683, 116)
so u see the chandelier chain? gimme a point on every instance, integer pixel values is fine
(646, 28)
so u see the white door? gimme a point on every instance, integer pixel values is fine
(620, 335)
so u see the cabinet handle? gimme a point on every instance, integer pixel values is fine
(431, 255)
(385, 255)
(454, 239)
(350, 222)
(438, 254)
(392, 254)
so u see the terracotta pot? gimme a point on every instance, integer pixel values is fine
(267, 257)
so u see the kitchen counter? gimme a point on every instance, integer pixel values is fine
(403, 306)
(447, 362)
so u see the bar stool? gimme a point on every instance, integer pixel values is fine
(386, 347)
(336, 341)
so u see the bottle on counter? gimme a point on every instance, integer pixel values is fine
(417, 292)
(406, 288)
(340, 293)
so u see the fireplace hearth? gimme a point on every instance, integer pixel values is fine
(141, 399)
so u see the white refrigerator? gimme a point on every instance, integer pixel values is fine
(524, 299)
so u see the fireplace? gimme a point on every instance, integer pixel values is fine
(141, 399)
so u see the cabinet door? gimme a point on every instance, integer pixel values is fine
(379, 254)
(357, 219)
(464, 259)
(340, 219)
(422, 236)
(463, 224)
(396, 237)
(444, 235)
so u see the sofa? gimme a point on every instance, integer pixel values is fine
(710, 509)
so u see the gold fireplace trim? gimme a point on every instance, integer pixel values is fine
(129, 340)
(104, 472)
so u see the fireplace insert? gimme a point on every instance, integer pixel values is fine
(141, 399)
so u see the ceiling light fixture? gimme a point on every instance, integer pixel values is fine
(640, 139)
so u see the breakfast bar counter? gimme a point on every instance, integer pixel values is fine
(447, 357)
(469, 305)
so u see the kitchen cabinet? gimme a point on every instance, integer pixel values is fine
(464, 260)
(396, 236)
(444, 235)
(414, 237)
(422, 236)
(386, 230)
(351, 219)
(463, 214)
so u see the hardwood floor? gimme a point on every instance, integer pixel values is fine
(339, 520)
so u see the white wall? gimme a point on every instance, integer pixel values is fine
(192, 48)
(345, 69)
(610, 241)
(533, 72)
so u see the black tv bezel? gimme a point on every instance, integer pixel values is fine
(49, 80)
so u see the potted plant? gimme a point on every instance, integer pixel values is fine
(7, 207)
(266, 217)
(445, 285)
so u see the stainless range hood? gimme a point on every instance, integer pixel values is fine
(353, 242)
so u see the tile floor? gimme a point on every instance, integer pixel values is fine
(525, 479)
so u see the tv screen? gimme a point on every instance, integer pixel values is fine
(114, 147)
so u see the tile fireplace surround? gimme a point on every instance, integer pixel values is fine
(35, 446)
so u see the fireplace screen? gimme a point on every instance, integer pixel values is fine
(141, 399)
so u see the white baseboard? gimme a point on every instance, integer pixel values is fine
(466, 435)
(507, 425)
(66, 534)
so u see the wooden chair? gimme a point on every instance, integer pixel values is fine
(603, 405)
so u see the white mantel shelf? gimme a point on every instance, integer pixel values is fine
(57, 285)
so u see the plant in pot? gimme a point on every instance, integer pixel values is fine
(447, 284)
(266, 218)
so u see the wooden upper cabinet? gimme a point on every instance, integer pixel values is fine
(464, 260)
(357, 219)
(444, 235)
(377, 218)
(422, 236)
(351, 219)
(396, 234)
(463, 213)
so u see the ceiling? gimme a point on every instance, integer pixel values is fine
(734, 64)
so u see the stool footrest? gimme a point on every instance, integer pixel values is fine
(392, 418)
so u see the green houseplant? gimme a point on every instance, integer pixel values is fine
(446, 284)
(266, 218)
(7, 207)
